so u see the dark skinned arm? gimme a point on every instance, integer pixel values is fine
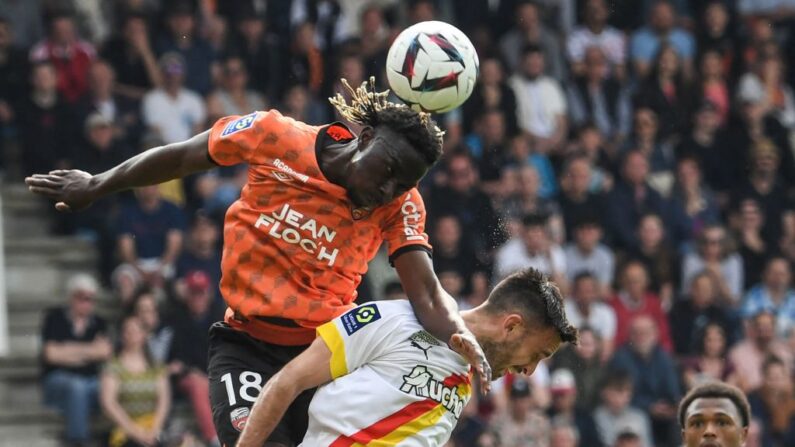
(437, 311)
(74, 190)
(310, 369)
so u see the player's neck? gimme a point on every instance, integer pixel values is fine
(477, 322)
(335, 160)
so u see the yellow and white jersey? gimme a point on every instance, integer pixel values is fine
(394, 384)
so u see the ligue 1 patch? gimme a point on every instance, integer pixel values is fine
(239, 417)
(239, 124)
(360, 317)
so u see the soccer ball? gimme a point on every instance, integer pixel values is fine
(432, 66)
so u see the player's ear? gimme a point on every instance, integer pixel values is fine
(513, 325)
(365, 137)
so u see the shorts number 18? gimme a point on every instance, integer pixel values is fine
(247, 380)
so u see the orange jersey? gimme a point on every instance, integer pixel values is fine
(294, 246)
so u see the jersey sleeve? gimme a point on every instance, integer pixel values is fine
(245, 139)
(404, 228)
(359, 336)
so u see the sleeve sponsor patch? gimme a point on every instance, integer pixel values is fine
(360, 317)
(239, 124)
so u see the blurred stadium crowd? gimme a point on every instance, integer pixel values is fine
(639, 152)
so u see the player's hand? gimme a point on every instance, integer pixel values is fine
(71, 189)
(467, 346)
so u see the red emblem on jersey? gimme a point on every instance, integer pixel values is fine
(339, 133)
(239, 417)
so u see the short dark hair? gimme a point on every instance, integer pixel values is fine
(530, 293)
(371, 108)
(531, 48)
(626, 436)
(772, 361)
(717, 390)
(583, 275)
(535, 220)
(618, 378)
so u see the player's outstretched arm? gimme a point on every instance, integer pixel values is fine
(437, 311)
(74, 190)
(310, 369)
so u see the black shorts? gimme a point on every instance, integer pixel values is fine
(239, 366)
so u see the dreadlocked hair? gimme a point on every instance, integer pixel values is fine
(369, 107)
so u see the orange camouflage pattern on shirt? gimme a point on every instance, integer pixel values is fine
(294, 247)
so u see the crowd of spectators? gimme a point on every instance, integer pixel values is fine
(640, 152)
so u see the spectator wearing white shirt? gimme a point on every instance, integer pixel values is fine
(173, 112)
(540, 102)
(585, 308)
(588, 254)
(532, 248)
(597, 33)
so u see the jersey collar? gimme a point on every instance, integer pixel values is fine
(334, 134)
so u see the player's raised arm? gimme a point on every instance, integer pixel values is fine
(74, 189)
(437, 311)
(310, 369)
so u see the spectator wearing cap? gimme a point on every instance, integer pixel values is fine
(585, 361)
(586, 307)
(190, 344)
(596, 33)
(661, 27)
(133, 60)
(564, 411)
(533, 247)
(70, 56)
(774, 294)
(181, 38)
(74, 346)
(615, 415)
(760, 342)
(102, 98)
(587, 254)
(699, 308)
(149, 240)
(44, 122)
(521, 424)
(173, 112)
(529, 29)
(540, 102)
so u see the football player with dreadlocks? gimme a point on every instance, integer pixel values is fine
(317, 205)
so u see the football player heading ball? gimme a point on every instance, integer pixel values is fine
(318, 204)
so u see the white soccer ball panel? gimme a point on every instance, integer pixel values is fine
(422, 64)
(437, 63)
